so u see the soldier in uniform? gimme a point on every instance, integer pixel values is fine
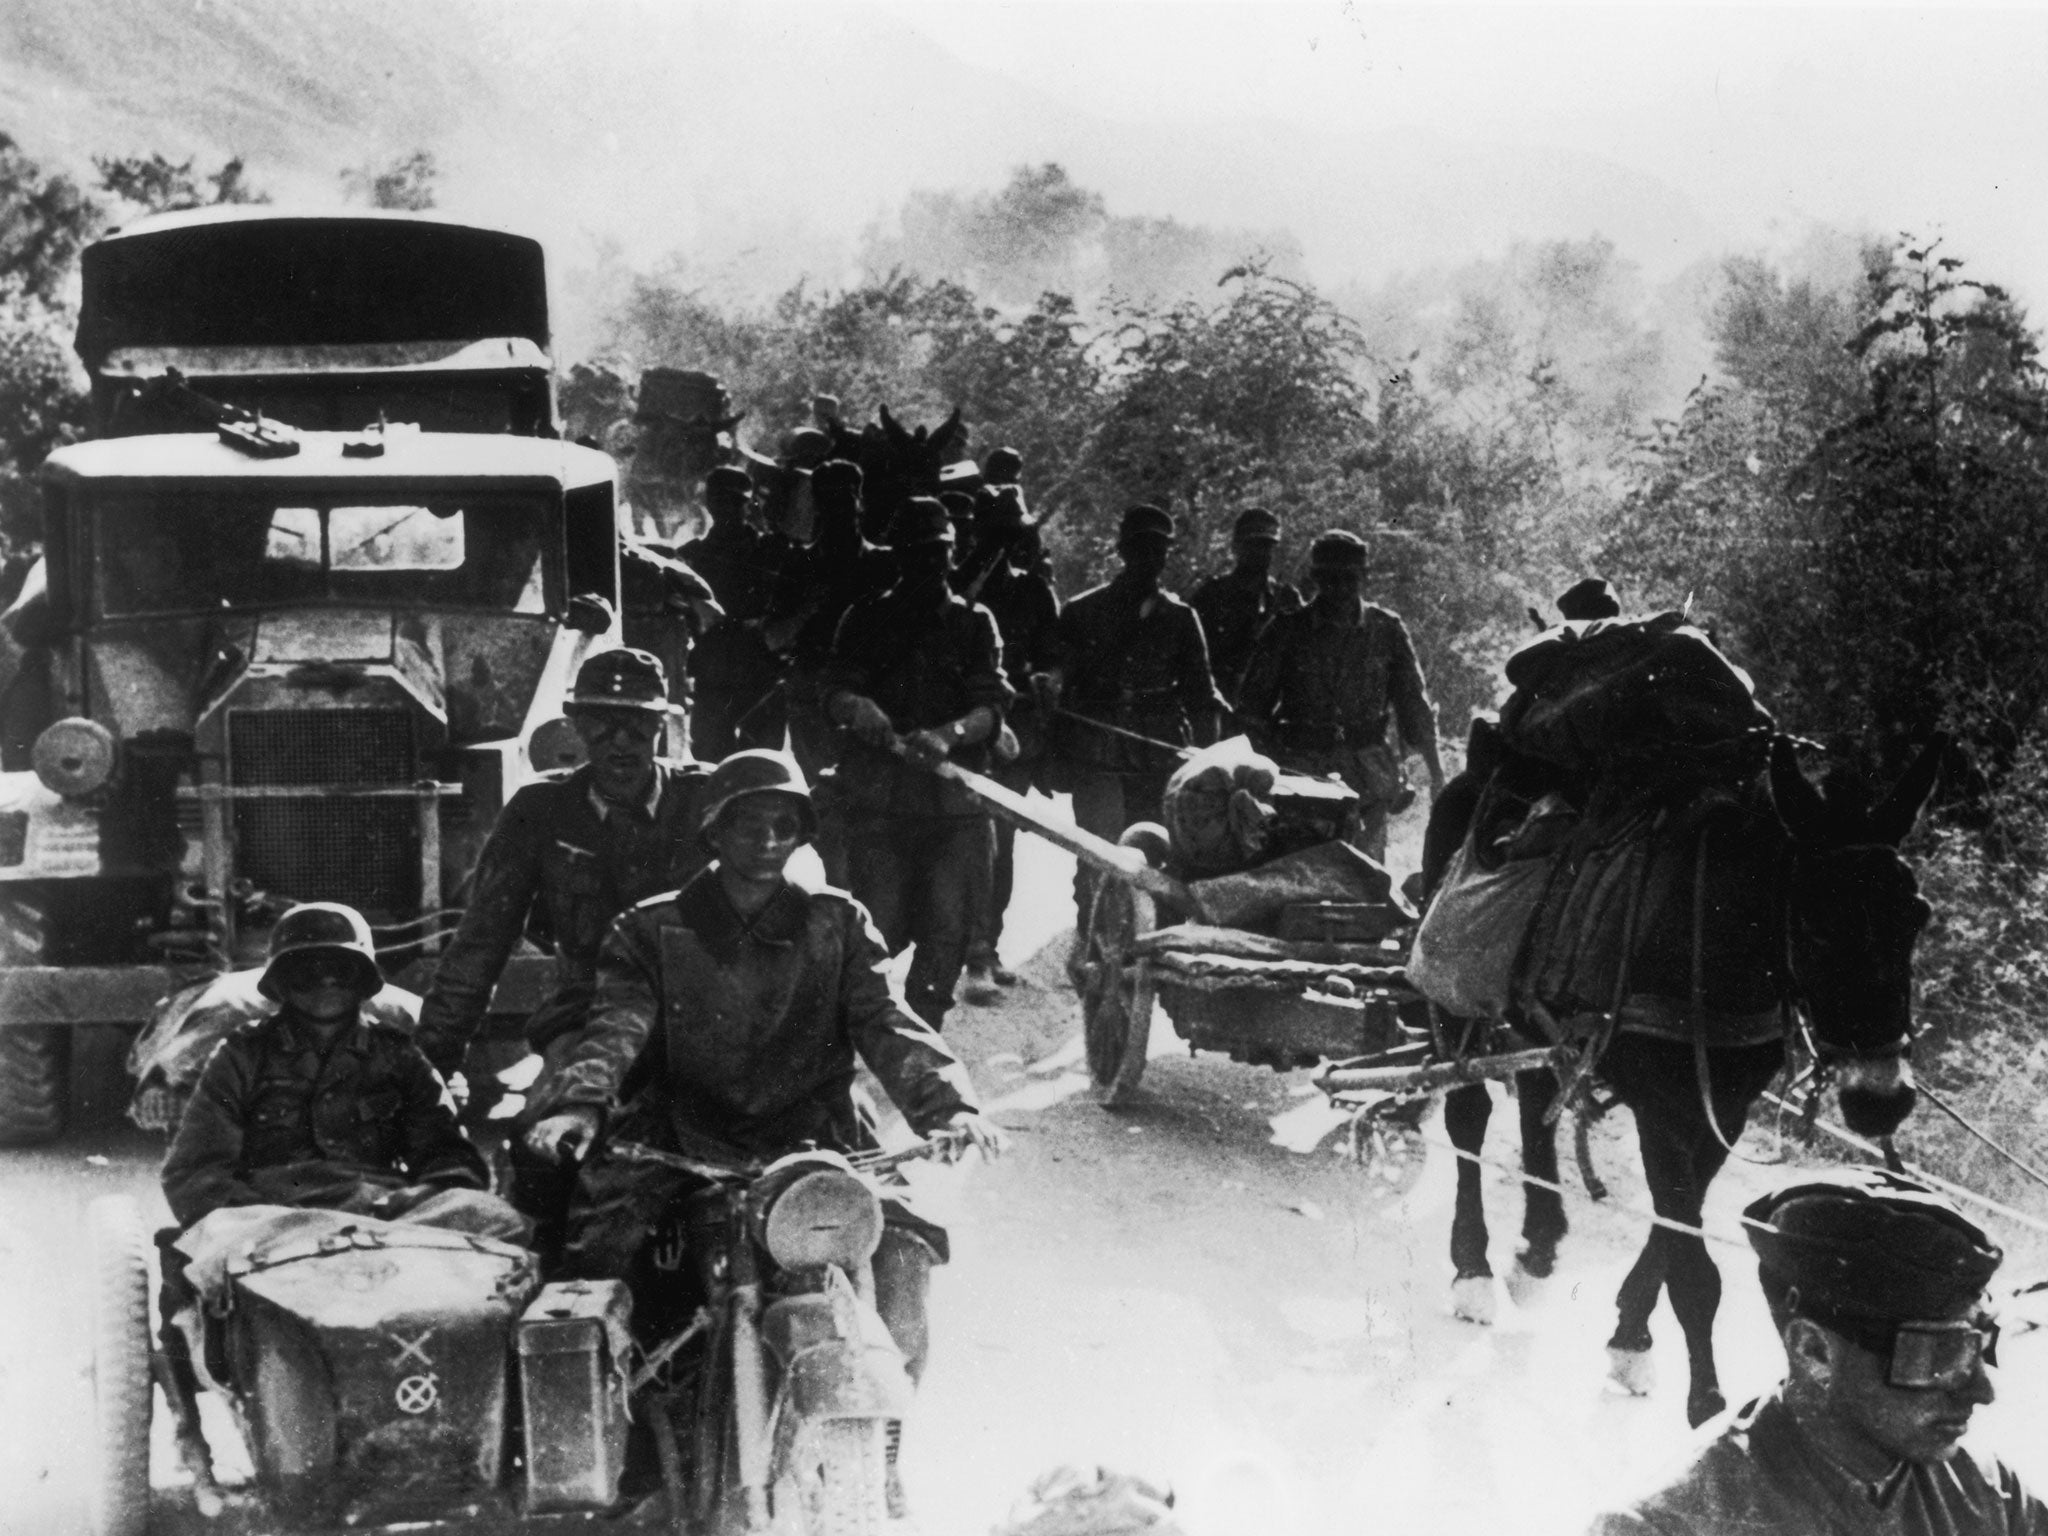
(994, 573)
(759, 996)
(572, 851)
(318, 1104)
(1877, 1289)
(1235, 606)
(1324, 684)
(737, 687)
(664, 607)
(916, 679)
(1129, 656)
(819, 583)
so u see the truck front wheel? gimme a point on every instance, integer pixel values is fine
(35, 1083)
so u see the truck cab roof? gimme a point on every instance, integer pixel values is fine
(406, 456)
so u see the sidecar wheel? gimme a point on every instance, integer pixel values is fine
(121, 1386)
(837, 1478)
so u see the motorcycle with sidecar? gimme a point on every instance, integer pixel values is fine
(387, 1376)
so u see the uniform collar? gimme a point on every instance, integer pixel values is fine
(298, 1036)
(708, 912)
(1786, 1439)
(650, 805)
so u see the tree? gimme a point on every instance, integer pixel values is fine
(406, 183)
(45, 220)
(1857, 503)
(156, 184)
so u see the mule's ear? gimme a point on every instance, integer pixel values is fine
(1898, 811)
(1799, 804)
(893, 429)
(950, 433)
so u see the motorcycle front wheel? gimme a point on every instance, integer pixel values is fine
(834, 1480)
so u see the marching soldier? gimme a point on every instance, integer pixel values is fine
(916, 679)
(1132, 686)
(738, 702)
(819, 583)
(1235, 606)
(995, 574)
(1324, 684)
(664, 606)
(573, 851)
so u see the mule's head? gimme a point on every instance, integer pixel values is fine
(1854, 913)
(896, 463)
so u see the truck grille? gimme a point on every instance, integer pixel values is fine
(363, 852)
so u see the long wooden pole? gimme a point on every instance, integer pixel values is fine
(1118, 862)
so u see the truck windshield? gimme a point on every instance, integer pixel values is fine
(176, 551)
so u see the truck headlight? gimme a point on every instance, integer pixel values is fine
(74, 757)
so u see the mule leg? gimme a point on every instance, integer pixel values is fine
(1466, 1113)
(1543, 1219)
(1678, 1160)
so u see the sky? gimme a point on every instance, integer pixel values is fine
(1767, 117)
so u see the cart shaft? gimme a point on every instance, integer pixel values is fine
(1436, 1074)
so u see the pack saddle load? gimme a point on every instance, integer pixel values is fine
(1623, 756)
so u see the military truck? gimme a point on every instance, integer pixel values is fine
(263, 666)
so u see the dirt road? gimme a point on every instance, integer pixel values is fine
(1166, 1289)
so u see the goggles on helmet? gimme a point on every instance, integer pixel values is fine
(1931, 1356)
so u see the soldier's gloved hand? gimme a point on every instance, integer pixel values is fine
(565, 1136)
(864, 717)
(1046, 687)
(968, 1128)
(926, 748)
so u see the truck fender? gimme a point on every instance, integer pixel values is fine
(837, 1358)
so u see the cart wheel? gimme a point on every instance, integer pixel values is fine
(1392, 1153)
(1116, 993)
(121, 1386)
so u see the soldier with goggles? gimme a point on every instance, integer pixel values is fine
(1877, 1287)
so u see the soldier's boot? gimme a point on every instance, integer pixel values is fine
(982, 985)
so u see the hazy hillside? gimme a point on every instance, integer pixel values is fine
(756, 140)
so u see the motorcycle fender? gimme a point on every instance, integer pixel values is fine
(837, 1358)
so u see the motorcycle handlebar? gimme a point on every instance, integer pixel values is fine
(720, 1172)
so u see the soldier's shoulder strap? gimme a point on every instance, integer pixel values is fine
(659, 899)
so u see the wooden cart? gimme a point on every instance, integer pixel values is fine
(1279, 1003)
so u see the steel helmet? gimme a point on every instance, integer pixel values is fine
(756, 771)
(325, 927)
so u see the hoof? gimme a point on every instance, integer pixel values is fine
(1702, 1406)
(1472, 1299)
(1527, 1285)
(1632, 1370)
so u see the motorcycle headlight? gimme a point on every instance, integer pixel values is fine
(812, 1209)
(74, 757)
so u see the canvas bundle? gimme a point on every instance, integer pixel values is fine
(1607, 696)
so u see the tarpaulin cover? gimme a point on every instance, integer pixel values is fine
(1592, 696)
